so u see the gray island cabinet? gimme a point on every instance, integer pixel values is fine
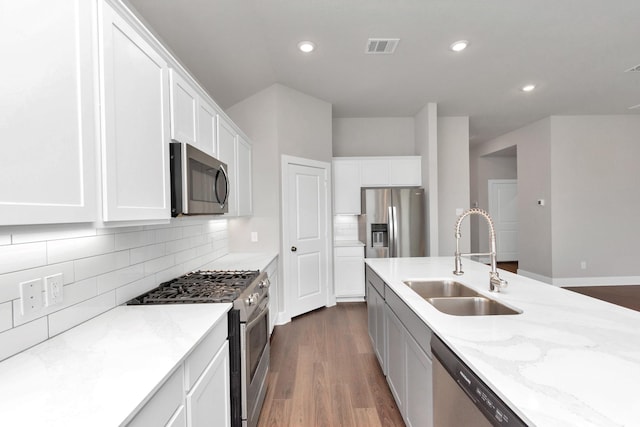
(401, 342)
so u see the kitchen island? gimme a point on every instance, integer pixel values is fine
(566, 360)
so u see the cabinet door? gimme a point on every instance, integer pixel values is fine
(135, 165)
(374, 172)
(47, 112)
(396, 367)
(405, 171)
(418, 401)
(208, 402)
(206, 140)
(227, 154)
(184, 110)
(381, 335)
(244, 178)
(349, 272)
(346, 187)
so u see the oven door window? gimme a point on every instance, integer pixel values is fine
(257, 340)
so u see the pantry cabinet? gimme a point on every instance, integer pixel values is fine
(135, 163)
(48, 120)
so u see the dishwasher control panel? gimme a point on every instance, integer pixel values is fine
(485, 399)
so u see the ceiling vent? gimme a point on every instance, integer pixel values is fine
(635, 69)
(381, 46)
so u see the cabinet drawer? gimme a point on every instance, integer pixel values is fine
(349, 251)
(204, 352)
(160, 409)
(375, 281)
(415, 326)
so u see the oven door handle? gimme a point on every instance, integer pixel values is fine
(264, 306)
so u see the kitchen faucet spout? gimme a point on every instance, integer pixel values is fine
(495, 282)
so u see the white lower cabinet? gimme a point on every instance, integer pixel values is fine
(208, 401)
(348, 272)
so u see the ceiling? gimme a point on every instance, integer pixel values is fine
(575, 52)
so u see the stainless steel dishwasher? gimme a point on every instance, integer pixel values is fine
(460, 398)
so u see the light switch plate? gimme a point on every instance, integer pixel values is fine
(31, 296)
(54, 285)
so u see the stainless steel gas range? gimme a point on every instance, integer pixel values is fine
(248, 290)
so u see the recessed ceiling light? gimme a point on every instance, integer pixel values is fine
(528, 88)
(306, 46)
(460, 45)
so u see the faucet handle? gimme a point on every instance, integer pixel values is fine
(496, 283)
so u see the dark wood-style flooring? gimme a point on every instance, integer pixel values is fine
(323, 372)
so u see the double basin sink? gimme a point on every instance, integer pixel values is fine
(454, 298)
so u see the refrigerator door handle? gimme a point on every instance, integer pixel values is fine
(393, 228)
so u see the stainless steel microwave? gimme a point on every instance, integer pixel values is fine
(199, 182)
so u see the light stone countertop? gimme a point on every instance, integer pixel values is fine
(100, 372)
(242, 261)
(347, 243)
(567, 360)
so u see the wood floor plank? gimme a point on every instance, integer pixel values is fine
(323, 372)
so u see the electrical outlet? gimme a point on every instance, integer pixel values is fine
(54, 285)
(31, 296)
(583, 265)
(254, 236)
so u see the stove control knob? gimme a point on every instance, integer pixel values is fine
(252, 299)
(264, 284)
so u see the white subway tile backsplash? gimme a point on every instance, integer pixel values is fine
(101, 268)
(22, 337)
(133, 289)
(147, 253)
(70, 249)
(9, 283)
(20, 257)
(43, 233)
(6, 316)
(69, 317)
(93, 266)
(72, 294)
(121, 277)
(135, 239)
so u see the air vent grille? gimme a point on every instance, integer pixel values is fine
(635, 69)
(381, 46)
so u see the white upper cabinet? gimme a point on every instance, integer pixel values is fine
(374, 172)
(405, 171)
(48, 120)
(184, 110)
(244, 190)
(206, 136)
(227, 153)
(346, 187)
(135, 145)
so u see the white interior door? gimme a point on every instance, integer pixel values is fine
(306, 234)
(503, 208)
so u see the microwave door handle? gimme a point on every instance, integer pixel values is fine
(226, 185)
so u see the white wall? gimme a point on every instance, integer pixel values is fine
(453, 182)
(595, 196)
(102, 268)
(373, 136)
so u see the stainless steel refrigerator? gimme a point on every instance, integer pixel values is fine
(392, 223)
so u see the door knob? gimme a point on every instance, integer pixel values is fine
(293, 249)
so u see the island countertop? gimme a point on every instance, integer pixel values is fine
(566, 360)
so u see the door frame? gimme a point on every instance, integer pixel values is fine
(286, 160)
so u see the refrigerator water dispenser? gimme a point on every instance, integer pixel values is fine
(379, 236)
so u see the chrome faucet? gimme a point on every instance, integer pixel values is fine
(495, 282)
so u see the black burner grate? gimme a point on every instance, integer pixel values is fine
(199, 287)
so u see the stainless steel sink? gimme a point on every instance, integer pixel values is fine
(454, 298)
(440, 288)
(471, 306)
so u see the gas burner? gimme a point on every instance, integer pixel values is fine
(203, 286)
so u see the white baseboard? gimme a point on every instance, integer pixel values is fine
(349, 299)
(563, 282)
